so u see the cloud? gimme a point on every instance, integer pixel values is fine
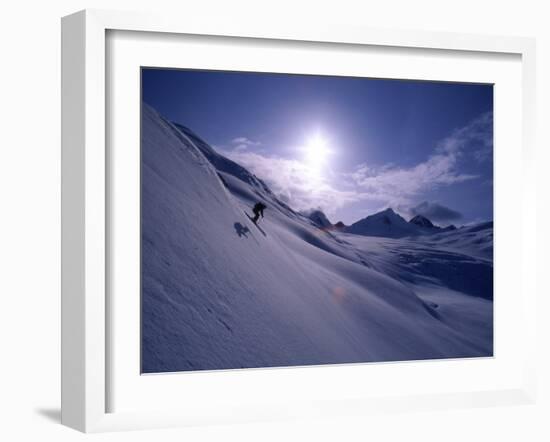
(398, 185)
(395, 183)
(435, 212)
(294, 181)
(302, 187)
(243, 143)
(475, 138)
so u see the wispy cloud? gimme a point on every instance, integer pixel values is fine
(303, 188)
(435, 212)
(475, 138)
(243, 143)
(294, 181)
(399, 185)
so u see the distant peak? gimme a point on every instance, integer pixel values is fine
(421, 221)
(386, 212)
(386, 223)
(318, 217)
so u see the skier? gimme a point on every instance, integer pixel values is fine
(258, 210)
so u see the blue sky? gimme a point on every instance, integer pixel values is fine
(350, 146)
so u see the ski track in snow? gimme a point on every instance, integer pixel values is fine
(219, 294)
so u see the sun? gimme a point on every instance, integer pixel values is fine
(316, 152)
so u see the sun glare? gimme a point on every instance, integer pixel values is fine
(317, 152)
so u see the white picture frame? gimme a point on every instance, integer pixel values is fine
(86, 203)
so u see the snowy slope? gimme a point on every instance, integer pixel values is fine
(219, 292)
(475, 240)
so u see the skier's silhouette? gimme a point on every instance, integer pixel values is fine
(258, 210)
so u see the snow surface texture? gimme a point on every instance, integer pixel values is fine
(219, 292)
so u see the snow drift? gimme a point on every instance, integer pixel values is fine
(219, 292)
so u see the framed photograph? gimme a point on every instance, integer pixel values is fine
(262, 222)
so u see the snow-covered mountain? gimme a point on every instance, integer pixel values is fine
(449, 228)
(386, 223)
(422, 221)
(228, 170)
(476, 240)
(219, 292)
(340, 225)
(389, 224)
(319, 218)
